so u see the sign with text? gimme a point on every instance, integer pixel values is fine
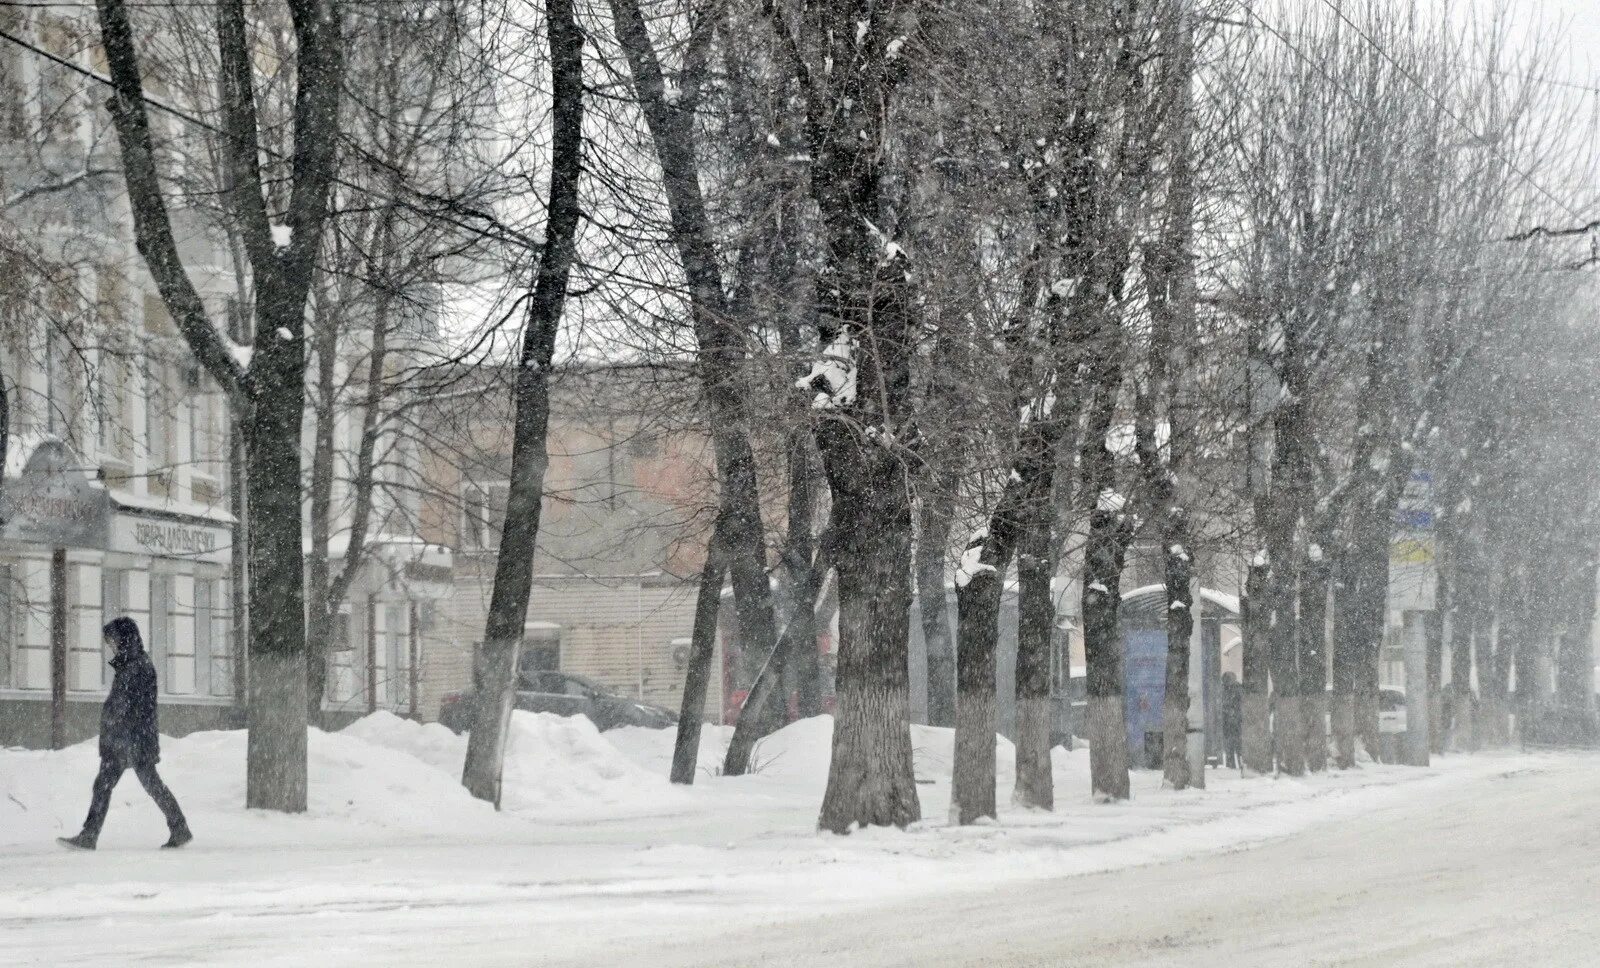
(164, 538)
(53, 502)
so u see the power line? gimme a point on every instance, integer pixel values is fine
(504, 233)
(168, 4)
(1439, 102)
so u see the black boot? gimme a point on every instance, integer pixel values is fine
(81, 842)
(180, 836)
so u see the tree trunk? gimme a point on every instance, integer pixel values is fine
(1369, 642)
(870, 778)
(978, 632)
(513, 574)
(702, 647)
(1036, 623)
(1524, 665)
(1109, 532)
(1463, 735)
(1435, 629)
(1256, 725)
(271, 390)
(319, 606)
(718, 359)
(1313, 627)
(803, 663)
(867, 313)
(933, 542)
(275, 772)
(1289, 730)
(1180, 630)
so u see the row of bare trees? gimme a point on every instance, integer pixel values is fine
(967, 292)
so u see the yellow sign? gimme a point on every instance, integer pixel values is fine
(1411, 551)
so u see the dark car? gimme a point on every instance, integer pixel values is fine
(564, 694)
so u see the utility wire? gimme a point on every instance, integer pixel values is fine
(503, 233)
(1439, 102)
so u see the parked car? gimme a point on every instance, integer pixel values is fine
(1391, 709)
(564, 694)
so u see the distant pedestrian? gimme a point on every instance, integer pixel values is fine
(129, 738)
(1232, 721)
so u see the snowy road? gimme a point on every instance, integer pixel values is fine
(1505, 872)
(1483, 860)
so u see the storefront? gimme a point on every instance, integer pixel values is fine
(72, 557)
(376, 653)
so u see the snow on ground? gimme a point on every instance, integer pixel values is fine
(394, 850)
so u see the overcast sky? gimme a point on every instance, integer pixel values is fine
(1579, 25)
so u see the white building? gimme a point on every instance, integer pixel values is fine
(105, 395)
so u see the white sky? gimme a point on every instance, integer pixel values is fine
(1579, 24)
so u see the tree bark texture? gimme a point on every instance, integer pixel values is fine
(972, 782)
(1036, 626)
(933, 542)
(837, 53)
(702, 647)
(1255, 727)
(1315, 578)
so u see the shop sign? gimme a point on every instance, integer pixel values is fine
(53, 502)
(161, 538)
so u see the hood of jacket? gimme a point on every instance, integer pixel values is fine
(126, 655)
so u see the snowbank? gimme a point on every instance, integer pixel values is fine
(557, 768)
(394, 862)
(358, 790)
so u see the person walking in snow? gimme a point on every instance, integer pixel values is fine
(129, 738)
(1231, 721)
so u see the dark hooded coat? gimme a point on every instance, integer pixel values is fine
(129, 735)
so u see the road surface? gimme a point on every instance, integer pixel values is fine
(1504, 872)
(1494, 861)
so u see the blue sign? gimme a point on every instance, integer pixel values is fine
(1144, 674)
(1414, 518)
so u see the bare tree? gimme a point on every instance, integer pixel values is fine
(270, 390)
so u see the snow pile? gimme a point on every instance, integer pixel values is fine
(432, 743)
(383, 777)
(560, 767)
(358, 790)
(556, 767)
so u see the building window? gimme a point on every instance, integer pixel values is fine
(541, 649)
(341, 655)
(160, 644)
(220, 642)
(159, 422)
(483, 513)
(62, 390)
(113, 599)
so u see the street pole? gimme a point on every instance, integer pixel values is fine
(372, 655)
(1416, 660)
(1199, 700)
(58, 649)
